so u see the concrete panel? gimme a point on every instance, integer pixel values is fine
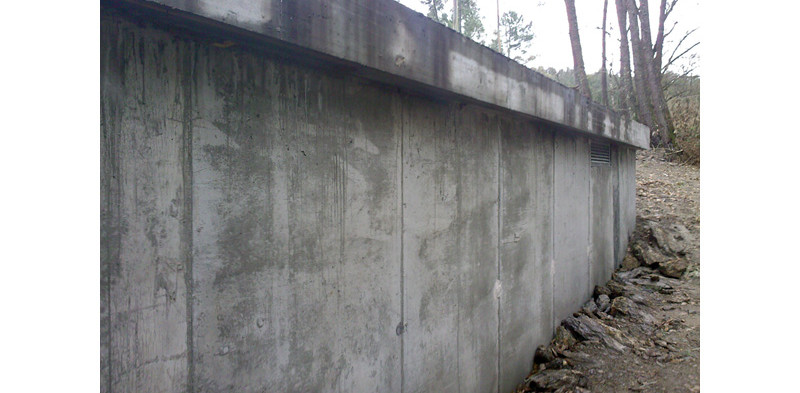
(144, 295)
(296, 220)
(571, 225)
(601, 249)
(627, 197)
(526, 247)
(450, 175)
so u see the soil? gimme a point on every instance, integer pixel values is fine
(655, 318)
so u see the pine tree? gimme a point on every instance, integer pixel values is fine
(518, 36)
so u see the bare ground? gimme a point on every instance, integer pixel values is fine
(647, 337)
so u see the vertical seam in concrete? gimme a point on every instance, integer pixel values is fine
(615, 205)
(553, 238)
(590, 212)
(402, 245)
(499, 240)
(454, 109)
(188, 218)
(111, 164)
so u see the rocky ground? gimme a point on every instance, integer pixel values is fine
(641, 331)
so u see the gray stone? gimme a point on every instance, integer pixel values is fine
(563, 339)
(586, 328)
(671, 238)
(647, 254)
(543, 355)
(552, 380)
(589, 308)
(603, 303)
(621, 306)
(673, 268)
(629, 262)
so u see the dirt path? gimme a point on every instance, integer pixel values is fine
(641, 332)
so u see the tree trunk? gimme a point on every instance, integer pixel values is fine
(499, 44)
(603, 70)
(577, 54)
(639, 73)
(456, 19)
(624, 57)
(653, 76)
(658, 47)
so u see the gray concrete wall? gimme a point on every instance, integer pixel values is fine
(526, 246)
(601, 219)
(269, 225)
(625, 207)
(571, 225)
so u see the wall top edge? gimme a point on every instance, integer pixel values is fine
(391, 41)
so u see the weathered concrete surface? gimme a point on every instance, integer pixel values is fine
(144, 214)
(526, 250)
(601, 232)
(625, 200)
(389, 38)
(571, 225)
(296, 222)
(268, 225)
(450, 178)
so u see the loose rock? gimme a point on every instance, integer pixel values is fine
(621, 305)
(553, 380)
(603, 303)
(589, 308)
(563, 339)
(629, 262)
(624, 306)
(674, 268)
(586, 328)
(672, 239)
(600, 290)
(647, 254)
(543, 355)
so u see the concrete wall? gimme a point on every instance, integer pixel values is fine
(269, 225)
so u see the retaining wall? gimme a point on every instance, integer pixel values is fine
(276, 224)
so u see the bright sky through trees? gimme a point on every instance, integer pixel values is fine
(551, 42)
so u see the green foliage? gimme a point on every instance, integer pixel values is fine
(468, 15)
(471, 24)
(518, 36)
(566, 76)
(435, 8)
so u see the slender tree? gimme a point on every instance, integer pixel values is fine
(651, 75)
(603, 70)
(577, 54)
(518, 36)
(435, 8)
(642, 101)
(499, 44)
(663, 12)
(469, 19)
(456, 17)
(624, 57)
(471, 23)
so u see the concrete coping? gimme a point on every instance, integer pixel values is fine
(392, 43)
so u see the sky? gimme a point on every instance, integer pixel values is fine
(551, 42)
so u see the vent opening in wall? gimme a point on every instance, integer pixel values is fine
(600, 153)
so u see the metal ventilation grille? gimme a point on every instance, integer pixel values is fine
(600, 153)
